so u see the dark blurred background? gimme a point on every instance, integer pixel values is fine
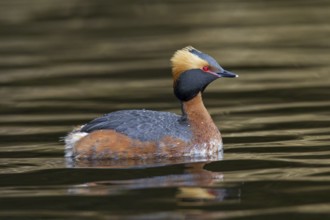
(54, 52)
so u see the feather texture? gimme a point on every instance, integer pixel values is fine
(144, 125)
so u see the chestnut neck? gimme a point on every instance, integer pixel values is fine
(194, 107)
(200, 120)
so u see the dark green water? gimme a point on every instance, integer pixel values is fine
(63, 63)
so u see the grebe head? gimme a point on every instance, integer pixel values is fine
(193, 70)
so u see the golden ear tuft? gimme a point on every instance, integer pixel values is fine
(184, 60)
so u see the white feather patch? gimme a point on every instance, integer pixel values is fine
(207, 149)
(70, 141)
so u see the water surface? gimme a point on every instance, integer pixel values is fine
(63, 63)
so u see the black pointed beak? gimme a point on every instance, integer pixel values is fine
(226, 73)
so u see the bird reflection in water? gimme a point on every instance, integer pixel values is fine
(194, 184)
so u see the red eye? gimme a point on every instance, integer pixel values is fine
(206, 68)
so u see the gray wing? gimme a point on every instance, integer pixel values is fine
(144, 125)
